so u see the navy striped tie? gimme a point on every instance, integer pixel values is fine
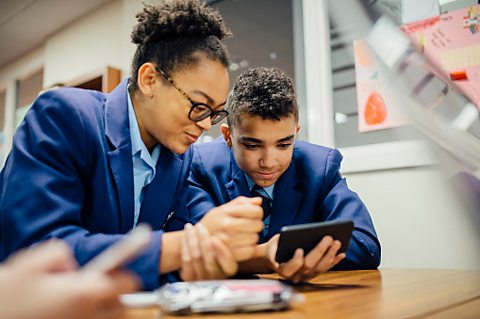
(258, 191)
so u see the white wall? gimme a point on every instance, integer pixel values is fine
(86, 46)
(130, 8)
(419, 221)
(93, 42)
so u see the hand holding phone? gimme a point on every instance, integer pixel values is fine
(307, 236)
(122, 251)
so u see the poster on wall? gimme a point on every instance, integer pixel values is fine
(375, 99)
(452, 42)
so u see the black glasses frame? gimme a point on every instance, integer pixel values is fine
(199, 111)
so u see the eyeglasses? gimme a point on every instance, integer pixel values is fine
(198, 111)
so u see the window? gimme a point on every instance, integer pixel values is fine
(265, 33)
(28, 89)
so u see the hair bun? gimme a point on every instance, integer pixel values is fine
(174, 18)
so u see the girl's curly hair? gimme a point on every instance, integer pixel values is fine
(171, 35)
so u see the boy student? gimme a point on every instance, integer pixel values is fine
(298, 182)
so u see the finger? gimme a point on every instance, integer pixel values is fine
(236, 237)
(244, 252)
(327, 261)
(244, 239)
(247, 200)
(224, 237)
(272, 246)
(317, 254)
(304, 275)
(211, 267)
(224, 257)
(294, 265)
(250, 210)
(333, 251)
(234, 225)
(186, 271)
(339, 258)
(51, 256)
(196, 254)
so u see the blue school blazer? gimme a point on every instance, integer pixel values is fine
(311, 190)
(69, 175)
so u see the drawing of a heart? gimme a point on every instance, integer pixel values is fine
(375, 109)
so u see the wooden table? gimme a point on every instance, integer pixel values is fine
(386, 293)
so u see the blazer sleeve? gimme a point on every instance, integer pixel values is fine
(341, 203)
(199, 199)
(42, 187)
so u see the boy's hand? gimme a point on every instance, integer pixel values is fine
(302, 268)
(204, 256)
(237, 224)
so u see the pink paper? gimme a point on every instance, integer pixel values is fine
(452, 43)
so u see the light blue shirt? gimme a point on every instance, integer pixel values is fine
(265, 191)
(144, 163)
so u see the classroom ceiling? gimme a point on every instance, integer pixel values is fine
(25, 24)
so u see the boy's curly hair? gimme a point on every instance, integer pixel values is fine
(171, 35)
(266, 92)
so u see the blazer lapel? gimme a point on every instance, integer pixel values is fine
(287, 199)
(237, 186)
(160, 193)
(117, 131)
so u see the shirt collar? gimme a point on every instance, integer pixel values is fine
(138, 147)
(251, 183)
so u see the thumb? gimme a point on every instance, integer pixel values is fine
(272, 247)
(248, 200)
(256, 201)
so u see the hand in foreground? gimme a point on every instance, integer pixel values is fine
(237, 224)
(42, 283)
(302, 268)
(205, 256)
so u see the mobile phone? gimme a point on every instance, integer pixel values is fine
(122, 251)
(307, 236)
